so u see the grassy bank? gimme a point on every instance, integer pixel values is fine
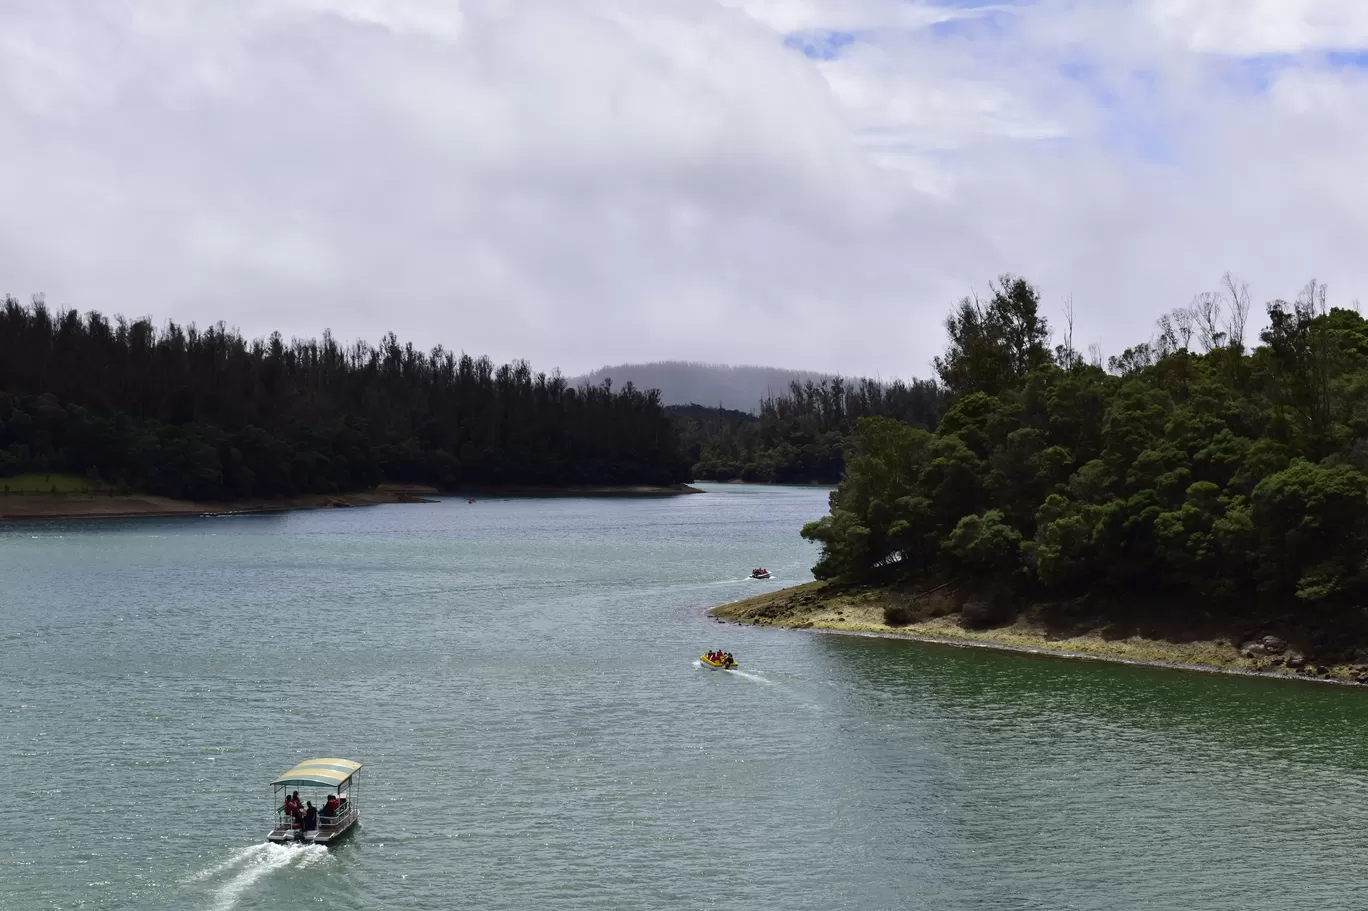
(1161, 638)
(52, 482)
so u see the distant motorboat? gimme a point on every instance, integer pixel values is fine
(724, 663)
(761, 573)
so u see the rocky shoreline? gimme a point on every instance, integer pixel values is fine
(866, 611)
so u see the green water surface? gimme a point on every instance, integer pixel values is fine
(519, 678)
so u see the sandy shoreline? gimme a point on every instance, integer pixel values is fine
(812, 607)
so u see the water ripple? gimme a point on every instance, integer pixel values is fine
(521, 681)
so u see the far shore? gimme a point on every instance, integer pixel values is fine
(104, 505)
(827, 608)
(576, 490)
(130, 506)
(775, 483)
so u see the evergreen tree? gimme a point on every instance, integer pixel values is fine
(207, 414)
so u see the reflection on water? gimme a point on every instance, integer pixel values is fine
(1138, 783)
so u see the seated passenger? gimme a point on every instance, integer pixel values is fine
(310, 816)
(330, 808)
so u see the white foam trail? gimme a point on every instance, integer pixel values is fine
(756, 677)
(237, 858)
(251, 864)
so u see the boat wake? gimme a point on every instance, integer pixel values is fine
(737, 672)
(250, 864)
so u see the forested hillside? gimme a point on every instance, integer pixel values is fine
(799, 436)
(1191, 469)
(740, 388)
(207, 414)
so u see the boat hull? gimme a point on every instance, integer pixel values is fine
(324, 835)
(765, 576)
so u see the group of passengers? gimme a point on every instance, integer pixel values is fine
(721, 657)
(306, 815)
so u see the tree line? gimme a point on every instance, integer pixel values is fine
(682, 383)
(801, 435)
(207, 414)
(1189, 467)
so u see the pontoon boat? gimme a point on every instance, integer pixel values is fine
(315, 780)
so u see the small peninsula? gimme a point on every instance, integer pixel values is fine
(1192, 502)
(1064, 630)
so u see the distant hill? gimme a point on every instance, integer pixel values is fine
(688, 382)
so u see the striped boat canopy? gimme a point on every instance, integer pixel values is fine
(323, 773)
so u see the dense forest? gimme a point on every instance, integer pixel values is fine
(1189, 468)
(802, 435)
(207, 414)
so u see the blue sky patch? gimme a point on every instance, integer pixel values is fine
(1258, 73)
(1089, 75)
(1144, 137)
(1126, 100)
(989, 22)
(819, 44)
(1348, 59)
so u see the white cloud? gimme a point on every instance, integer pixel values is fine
(786, 16)
(591, 181)
(439, 19)
(1250, 27)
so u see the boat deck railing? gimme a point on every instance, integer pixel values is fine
(324, 822)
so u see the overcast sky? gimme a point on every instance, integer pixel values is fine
(805, 183)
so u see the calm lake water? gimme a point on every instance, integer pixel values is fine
(519, 678)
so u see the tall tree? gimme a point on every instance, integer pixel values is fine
(205, 413)
(995, 344)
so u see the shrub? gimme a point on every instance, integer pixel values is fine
(987, 613)
(897, 615)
